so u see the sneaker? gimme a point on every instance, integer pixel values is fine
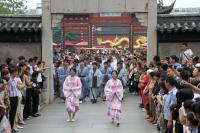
(15, 129)
(22, 123)
(143, 109)
(80, 102)
(19, 127)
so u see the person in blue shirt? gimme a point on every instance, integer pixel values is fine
(174, 61)
(170, 100)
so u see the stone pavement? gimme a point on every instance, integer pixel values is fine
(92, 118)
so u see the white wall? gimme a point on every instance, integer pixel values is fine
(14, 50)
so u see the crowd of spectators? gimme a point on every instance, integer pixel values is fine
(170, 93)
(21, 83)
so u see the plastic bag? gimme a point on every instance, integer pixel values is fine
(5, 125)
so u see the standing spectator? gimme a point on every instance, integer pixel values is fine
(21, 59)
(195, 60)
(9, 61)
(31, 65)
(4, 97)
(174, 62)
(40, 69)
(186, 53)
(170, 100)
(192, 124)
(29, 90)
(4, 108)
(35, 94)
(35, 60)
(20, 85)
(143, 81)
(13, 93)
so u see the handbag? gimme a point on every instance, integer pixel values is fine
(5, 125)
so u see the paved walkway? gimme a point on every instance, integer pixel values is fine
(91, 119)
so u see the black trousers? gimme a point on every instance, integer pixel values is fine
(168, 130)
(27, 106)
(13, 110)
(35, 99)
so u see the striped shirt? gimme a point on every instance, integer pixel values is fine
(12, 88)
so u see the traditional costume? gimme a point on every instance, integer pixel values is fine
(72, 91)
(62, 74)
(83, 75)
(114, 95)
(95, 79)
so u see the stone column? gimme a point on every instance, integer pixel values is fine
(47, 49)
(151, 30)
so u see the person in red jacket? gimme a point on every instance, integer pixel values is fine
(143, 81)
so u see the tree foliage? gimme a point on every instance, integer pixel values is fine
(12, 6)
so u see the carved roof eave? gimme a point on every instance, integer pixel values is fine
(166, 9)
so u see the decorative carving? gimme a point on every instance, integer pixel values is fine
(165, 9)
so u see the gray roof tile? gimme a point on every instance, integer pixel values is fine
(13, 23)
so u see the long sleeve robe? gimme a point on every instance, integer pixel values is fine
(114, 95)
(72, 91)
(83, 75)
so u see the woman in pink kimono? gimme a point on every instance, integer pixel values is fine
(114, 95)
(72, 90)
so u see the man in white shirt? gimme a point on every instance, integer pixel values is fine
(114, 63)
(186, 53)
